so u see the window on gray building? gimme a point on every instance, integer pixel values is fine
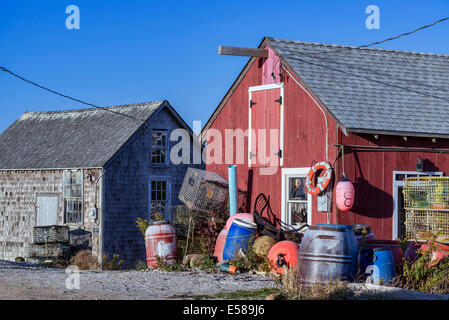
(159, 198)
(160, 147)
(73, 196)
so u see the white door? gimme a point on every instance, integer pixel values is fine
(296, 201)
(398, 199)
(47, 210)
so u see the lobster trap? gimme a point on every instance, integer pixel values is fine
(206, 191)
(426, 202)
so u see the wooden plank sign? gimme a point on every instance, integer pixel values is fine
(240, 51)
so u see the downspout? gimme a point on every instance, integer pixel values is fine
(98, 216)
(324, 114)
(96, 185)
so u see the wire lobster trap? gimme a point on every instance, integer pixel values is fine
(426, 202)
(206, 191)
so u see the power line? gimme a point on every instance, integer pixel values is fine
(71, 98)
(382, 41)
(362, 46)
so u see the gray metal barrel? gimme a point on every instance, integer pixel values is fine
(327, 254)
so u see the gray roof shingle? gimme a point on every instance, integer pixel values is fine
(374, 90)
(84, 138)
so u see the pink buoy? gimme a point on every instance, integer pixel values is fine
(219, 245)
(344, 194)
(244, 216)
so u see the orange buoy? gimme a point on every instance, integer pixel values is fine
(160, 241)
(219, 245)
(244, 216)
(283, 253)
(344, 194)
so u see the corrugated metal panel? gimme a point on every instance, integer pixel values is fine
(47, 210)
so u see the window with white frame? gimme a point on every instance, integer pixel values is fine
(159, 147)
(73, 197)
(399, 212)
(297, 203)
(159, 198)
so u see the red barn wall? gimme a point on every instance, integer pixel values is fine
(304, 138)
(304, 142)
(372, 175)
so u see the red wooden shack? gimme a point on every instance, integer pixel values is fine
(385, 110)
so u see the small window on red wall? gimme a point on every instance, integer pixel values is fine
(266, 125)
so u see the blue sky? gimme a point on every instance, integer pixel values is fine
(136, 51)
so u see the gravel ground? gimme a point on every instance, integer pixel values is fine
(26, 281)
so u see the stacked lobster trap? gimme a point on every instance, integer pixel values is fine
(426, 202)
(205, 191)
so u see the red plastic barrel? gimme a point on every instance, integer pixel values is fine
(283, 253)
(219, 245)
(160, 241)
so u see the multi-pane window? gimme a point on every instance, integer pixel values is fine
(159, 198)
(160, 147)
(297, 201)
(73, 196)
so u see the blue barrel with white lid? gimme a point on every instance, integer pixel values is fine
(238, 237)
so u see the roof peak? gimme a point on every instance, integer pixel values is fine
(330, 45)
(139, 104)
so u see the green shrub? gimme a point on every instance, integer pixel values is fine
(420, 276)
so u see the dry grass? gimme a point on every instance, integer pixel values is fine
(112, 264)
(85, 261)
(333, 290)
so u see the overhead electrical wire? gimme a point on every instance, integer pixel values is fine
(379, 42)
(295, 57)
(71, 98)
(362, 46)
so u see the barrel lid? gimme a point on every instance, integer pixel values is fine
(245, 223)
(328, 228)
(158, 222)
(381, 249)
(346, 226)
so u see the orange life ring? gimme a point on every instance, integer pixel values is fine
(320, 187)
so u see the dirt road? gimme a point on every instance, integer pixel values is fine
(24, 281)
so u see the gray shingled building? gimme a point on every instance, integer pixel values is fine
(94, 170)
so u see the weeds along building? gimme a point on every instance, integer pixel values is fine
(94, 170)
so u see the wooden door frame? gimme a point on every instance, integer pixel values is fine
(266, 87)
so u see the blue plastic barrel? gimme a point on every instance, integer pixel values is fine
(354, 245)
(238, 237)
(384, 262)
(377, 263)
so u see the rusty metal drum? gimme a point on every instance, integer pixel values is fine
(327, 253)
(160, 242)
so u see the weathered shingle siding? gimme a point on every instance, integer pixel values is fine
(127, 191)
(18, 211)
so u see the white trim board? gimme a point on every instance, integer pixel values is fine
(266, 87)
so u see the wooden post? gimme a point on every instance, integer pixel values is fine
(240, 51)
